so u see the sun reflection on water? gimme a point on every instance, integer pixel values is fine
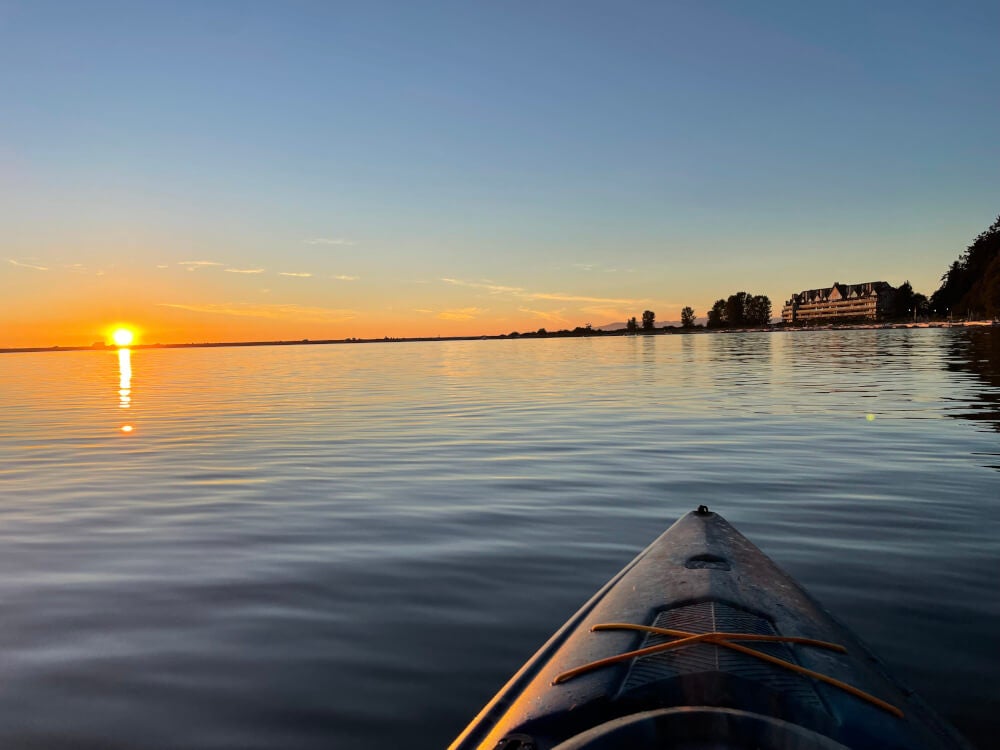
(124, 378)
(125, 385)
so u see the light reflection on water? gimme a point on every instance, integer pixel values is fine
(124, 378)
(354, 546)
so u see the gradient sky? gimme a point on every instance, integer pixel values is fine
(237, 170)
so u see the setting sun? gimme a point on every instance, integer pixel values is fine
(122, 336)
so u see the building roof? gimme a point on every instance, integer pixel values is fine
(840, 291)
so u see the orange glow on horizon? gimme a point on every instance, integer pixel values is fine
(170, 326)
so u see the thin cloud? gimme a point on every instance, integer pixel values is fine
(422, 310)
(298, 313)
(329, 241)
(551, 296)
(296, 275)
(549, 316)
(244, 270)
(33, 267)
(559, 297)
(490, 287)
(163, 266)
(343, 277)
(461, 313)
(605, 313)
(198, 263)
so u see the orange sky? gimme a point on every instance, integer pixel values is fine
(51, 302)
(68, 307)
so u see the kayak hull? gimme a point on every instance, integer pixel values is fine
(702, 576)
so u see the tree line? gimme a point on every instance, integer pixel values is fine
(971, 285)
(969, 288)
(649, 321)
(740, 310)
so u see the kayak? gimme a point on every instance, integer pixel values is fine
(703, 643)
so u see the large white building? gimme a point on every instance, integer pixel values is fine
(871, 300)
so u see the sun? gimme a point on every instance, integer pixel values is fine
(122, 336)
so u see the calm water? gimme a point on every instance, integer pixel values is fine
(354, 546)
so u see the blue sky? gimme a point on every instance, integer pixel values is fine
(646, 155)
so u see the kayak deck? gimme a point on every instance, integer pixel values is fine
(608, 677)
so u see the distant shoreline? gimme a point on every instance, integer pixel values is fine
(666, 331)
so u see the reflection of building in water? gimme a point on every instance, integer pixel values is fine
(869, 301)
(124, 378)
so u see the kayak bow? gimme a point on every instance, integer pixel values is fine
(702, 642)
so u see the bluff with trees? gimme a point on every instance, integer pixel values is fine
(740, 310)
(971, 286)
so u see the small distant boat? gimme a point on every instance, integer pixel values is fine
(703, 643)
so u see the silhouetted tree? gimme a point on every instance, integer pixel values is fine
(739, 310)
(648, 320)
(687, 318)
(717, 315)
(631, 326)
(757, 311)
(902, 301)
(736, 308)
